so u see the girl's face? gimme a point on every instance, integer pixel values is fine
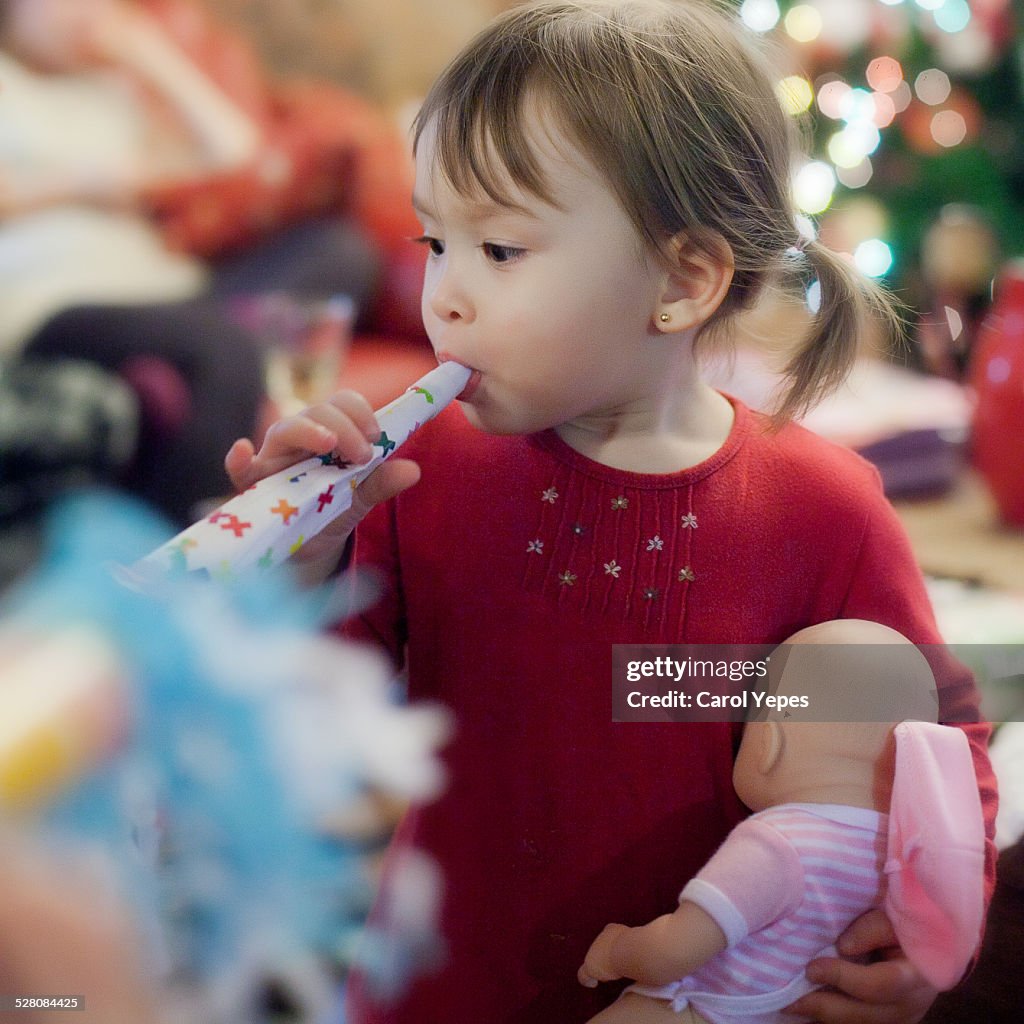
(53, 35)
(553, 305)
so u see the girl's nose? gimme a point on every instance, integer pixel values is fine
(448, 299)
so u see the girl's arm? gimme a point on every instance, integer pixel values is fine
(669, 948)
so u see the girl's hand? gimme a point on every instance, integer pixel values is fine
(597, 965)
(345, 426)
(887, 991)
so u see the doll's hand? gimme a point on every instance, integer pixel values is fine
(344, 426)
(597, 965)
(887, 991)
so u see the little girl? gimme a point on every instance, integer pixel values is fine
(603, 187)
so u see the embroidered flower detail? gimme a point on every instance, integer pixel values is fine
(579, 529)
(550, 496)
(535, 547)
(686, 575)
(612, 568)
(689, 521)
(655, 543)
(620, 503)
(650, 593)
(567, 579)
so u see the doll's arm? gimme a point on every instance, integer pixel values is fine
(668, 948)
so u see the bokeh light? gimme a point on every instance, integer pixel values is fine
(795, 94)
(932, 87)
(831, 97)
(885, 109)
(803, 23)
(873, 257)
(857, 176)
(949, 128)
(901, 97)
(929, 5)
(813, 186)
(813, 297)
(760, 15)
(953, 16)
(884, 74)
(857, 105)
(854, 142)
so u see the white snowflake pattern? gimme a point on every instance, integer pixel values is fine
(686, 575)
(689, 521)
(612, 568)
(535, 547)
(550, 496)
(655, 543)
(567, 579)
(620, 503)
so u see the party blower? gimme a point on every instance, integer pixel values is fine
(271, 521)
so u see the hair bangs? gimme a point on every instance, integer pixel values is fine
(476, 112)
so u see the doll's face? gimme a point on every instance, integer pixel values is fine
(53, 36)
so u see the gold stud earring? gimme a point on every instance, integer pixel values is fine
(665, 317)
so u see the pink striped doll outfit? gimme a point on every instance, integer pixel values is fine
(789, 880)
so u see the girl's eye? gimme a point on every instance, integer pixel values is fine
(501, 253)
(435, 245)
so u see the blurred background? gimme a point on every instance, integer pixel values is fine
(205, 222)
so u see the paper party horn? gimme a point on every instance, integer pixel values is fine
(271, 521)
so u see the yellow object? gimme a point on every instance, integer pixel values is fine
(62, 710)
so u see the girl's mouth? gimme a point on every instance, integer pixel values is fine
(471, 385)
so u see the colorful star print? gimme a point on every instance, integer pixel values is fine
(655, 543)
(535, 547)
(296, 546)
(267, 559)
(296, 479)
(326, 498)
(386, 443)
(620, 503)
(689, 521)
(233, 523)
(285, 511)
(425, 393)
(550, 496)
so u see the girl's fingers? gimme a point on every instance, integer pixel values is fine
(870, 932)
(359, 410)
(238, 463)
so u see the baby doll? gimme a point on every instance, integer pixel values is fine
(851, 815)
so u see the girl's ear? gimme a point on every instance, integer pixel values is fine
(696, 282)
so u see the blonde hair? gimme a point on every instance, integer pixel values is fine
(676, 108)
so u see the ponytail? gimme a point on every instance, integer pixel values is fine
(850, 306)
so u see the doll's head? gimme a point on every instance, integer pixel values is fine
(860, 679)
(668, 107)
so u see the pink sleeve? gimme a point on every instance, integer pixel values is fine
(753, 878)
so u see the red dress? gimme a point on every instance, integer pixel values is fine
(509, 571)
